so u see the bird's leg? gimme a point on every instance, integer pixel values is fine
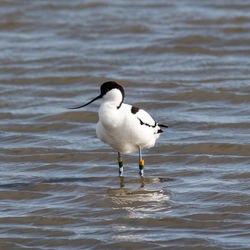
(122, 183)
(141, 163)
(120, 162)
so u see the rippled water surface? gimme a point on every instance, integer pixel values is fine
(186, 62)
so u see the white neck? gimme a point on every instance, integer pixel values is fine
(114, 96)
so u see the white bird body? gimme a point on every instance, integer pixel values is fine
(124, 127)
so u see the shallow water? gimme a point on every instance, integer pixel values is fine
(185, 62)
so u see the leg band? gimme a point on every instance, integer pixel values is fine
(141, 167)
(141, 164)
(120, 162)
(120, 165)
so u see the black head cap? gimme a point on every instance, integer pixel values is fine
(107, 86)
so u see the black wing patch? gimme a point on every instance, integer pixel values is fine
(143, 123)
(153, 126)
(134, 110)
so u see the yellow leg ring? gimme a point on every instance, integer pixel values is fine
(141, 164)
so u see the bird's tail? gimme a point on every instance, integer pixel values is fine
(163, 126)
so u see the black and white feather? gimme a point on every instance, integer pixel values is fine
(124, 127)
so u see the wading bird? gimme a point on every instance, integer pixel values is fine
(124, 127)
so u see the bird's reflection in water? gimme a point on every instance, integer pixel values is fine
(141, 201)
(122, 182)
(143, 180)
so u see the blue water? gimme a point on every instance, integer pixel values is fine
(186, 63)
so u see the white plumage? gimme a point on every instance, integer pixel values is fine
(124, 127)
